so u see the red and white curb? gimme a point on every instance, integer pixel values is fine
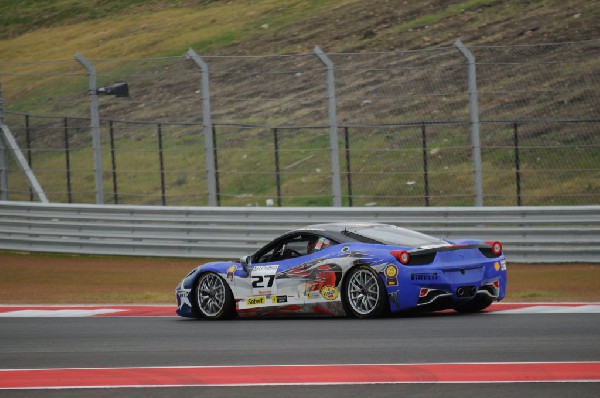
(266, 375)
(78, 311)
(75, 311)
(509, 309)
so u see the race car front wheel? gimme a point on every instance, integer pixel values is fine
(214, 299)
(364, 294)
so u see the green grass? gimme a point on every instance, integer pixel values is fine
(388, 172)
(446, 12)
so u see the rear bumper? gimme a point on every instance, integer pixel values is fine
(437, 299)
(435, 288)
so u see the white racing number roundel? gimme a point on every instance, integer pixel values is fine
(263, 280)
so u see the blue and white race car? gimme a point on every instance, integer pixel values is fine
(361, 270)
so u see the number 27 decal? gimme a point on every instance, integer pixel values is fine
(258, 280)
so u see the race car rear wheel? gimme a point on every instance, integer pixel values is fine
(477, 304)
(213, 297)
(364, 294)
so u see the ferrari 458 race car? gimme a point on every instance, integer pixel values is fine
(361, 270)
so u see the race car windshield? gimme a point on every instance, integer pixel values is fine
(391, 235)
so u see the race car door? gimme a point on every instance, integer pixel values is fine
(278, 278)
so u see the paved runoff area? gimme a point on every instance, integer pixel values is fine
(103, 347)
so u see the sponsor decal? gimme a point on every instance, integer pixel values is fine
(329, 293)
(497, 266)
(183, 298)
(256, 300)
(424, 277)
(503, 265)
(263, 279)
(231, 271)
(391, 272)
(322, 243)
(279, 299)
(264, 269)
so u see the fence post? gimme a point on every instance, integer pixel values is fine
(7, 141)
(29, 158)
(277, 171)
(111, 134)
(3, 155)
(517, 162)
(1, 104)
(95, 122)
(336, 186)
(425, 166)
(68, 160)
(474, 116)
(3, 170)
(217, 186)
(161, 162)
(209, 157)
(348, 175)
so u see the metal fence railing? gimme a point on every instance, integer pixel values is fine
(529, 234)
(362, 129)
(381, 165)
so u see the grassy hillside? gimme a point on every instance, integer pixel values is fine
(133, 29)
(139, 28)
(143, 42)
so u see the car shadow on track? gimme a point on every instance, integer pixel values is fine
(401, 315)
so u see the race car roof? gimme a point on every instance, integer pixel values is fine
(339, 227)
(371, 233)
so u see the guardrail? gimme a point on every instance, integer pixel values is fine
(529, 234)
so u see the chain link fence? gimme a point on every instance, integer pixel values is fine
(402, 121)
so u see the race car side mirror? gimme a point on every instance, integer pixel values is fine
(245, 261)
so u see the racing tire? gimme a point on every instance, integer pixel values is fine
(364, 295)
(213, 298)
(477, 304)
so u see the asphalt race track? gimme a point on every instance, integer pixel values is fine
(443, 338)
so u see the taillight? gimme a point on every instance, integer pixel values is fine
(496, 284)
(496, 247)
(401, 255)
